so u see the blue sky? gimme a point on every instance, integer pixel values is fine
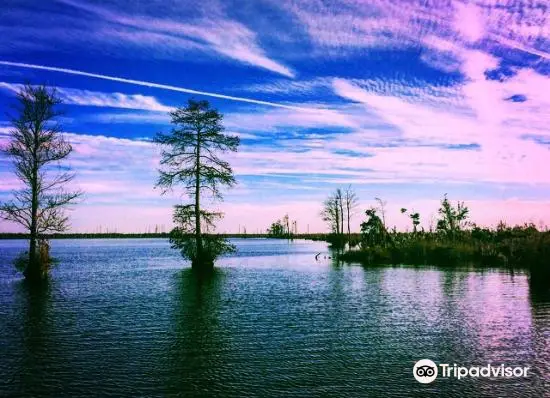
(403, 100)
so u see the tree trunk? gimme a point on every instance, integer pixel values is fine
(341, 204)
(337, 218)
(348, 215)
(33, 271)
(198, 262)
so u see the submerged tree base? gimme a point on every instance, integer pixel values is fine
(39, 269)
(35, 276)
(213, 246)
(202, 266)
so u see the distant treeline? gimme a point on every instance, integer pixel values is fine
(165, 235)
(86, 235)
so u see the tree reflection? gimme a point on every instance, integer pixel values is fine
(334, 255)
(199, 340)
(35, 301)
(539, 286)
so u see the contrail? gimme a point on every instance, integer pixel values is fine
(519, 46)
(153, 85)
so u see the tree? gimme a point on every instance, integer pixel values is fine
(284, 228)
(382, 208)
(453, 219)
(331, 213)
(37, 147)
(190, 158)
(277, 229)
(415, 218)
(286, 221)
(339, 196)
(373, 230)
(351, 202)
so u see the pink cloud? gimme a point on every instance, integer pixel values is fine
(469, 21)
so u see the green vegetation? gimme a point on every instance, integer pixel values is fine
(190, 159)
(455, 242)
(36, 149)
(283, 229)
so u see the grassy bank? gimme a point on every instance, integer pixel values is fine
(517, 247)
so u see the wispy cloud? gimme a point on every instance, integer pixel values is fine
(348, 25)
(114, 170)
(294, 87)
(504, 154)
(99, 99)
(221, 35)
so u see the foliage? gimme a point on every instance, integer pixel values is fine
(512, 247)
(36, 148)
(276, 230)
(189, 158)
(415, 218)
(373, 230)
(21, 262)
(332, 211)
(283, 228)
(213, 246)
(452, 244)
(43, 260)
(452, 219)
(184, 218)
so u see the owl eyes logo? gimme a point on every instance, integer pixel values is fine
(425, 371)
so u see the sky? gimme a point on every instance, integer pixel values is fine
(403, 100)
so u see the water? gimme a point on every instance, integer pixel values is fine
(129, 318)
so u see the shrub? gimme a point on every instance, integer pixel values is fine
(213, 246)
(43, 257)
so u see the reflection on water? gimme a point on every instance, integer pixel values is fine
(128, 318)
(34, 332)
(198, 342)
(37, 329)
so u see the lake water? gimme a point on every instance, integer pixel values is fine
(129, 318)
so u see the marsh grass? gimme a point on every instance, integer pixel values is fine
(521, 247)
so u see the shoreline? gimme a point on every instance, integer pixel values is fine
(165, 235)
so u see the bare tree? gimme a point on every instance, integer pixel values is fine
(286, 224)
(339, 197)
(190, 158)
(36, 148)
(382, 208)
(351, 203)
(331, 213)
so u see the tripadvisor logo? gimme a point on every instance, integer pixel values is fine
(426, 371)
